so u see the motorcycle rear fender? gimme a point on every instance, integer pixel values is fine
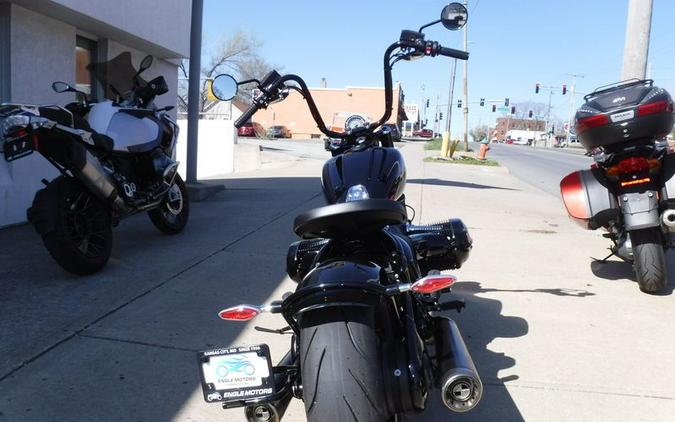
(337, 283)
(640, 210)
(42, 213)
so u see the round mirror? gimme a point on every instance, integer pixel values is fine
(224, 87)
(454, 16)
(61, 87)
(145, 63)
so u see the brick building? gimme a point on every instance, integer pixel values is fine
(506, 124)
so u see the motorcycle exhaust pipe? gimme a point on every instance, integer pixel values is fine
(459, 382)
(668, 219)
(88, 170)
(273, 411)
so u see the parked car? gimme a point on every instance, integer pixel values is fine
(251, 129)
(278, 132)
(424, 133)
(395, 133)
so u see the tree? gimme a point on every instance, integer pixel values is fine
(539, 110)
(237, 55)
(479, 133)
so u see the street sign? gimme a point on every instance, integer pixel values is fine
(503, 109)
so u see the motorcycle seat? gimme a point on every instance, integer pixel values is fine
(349, 219)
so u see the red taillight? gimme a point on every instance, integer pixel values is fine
(591, 122)
(432, 283)
(633, 165)
(655, 107)
(239, 313)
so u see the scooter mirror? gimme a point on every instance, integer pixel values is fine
(454, 16)
(61, 87)
(224, 87)
(145, 63)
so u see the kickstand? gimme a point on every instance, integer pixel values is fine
(604, 260)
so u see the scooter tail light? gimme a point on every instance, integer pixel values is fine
(240, 313)
(590, 122)
(433, 283)
(633, 165)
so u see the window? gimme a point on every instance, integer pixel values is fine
(85, 54)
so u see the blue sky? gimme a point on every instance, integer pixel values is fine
(514, 44)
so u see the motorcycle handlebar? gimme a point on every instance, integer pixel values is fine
(451, 52)
(246, 116)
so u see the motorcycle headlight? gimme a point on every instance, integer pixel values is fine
(357, 193)
(12, 124)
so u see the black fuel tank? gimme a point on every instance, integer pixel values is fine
(380, 170)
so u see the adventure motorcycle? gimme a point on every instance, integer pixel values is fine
(367, 342)
(115, 159)
(630, 189)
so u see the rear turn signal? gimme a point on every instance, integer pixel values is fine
(240, 313)
(433, 283)
(636, 182)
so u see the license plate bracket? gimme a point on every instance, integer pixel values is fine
(17, 148)
(236, 375)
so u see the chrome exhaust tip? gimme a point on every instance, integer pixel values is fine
(668, 219)
(461, 390)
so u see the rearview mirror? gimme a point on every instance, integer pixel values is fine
(62, 87)
(224, 87)
(145, 63)
(454, 16)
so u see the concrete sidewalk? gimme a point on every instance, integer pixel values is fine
(554, 337)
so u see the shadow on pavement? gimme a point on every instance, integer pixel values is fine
(456, 184)
(481, 323)
(622, 271)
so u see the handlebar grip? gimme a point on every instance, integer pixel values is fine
(451, 52)
(246, 116)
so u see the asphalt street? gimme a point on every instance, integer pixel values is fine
(543, 168)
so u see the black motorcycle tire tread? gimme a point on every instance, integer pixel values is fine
(341, 370)
(168, 227)
(59, 244)
(649, 260)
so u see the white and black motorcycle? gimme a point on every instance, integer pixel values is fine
(115, 159)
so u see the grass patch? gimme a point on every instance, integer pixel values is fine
(464, 160)
(436, 144)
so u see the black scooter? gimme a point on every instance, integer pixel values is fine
(367, 342)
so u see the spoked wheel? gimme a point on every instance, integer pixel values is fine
(172, 214)
(81, 241)
(649, 260)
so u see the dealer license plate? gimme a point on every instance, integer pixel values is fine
(235, 374)
(620, 117)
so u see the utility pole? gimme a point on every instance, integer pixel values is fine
(570, 118)
(422, 111)
(193, 89)
(636, 46)
(437, 120)
(448, 115)
(548, 119)
(466, 85)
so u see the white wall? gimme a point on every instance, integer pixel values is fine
(215, 153)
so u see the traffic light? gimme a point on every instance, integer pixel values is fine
(530, 114)
(427, 103)
(440, 116)
(564, 89)
(426, 121)
(459, 103)
(494, 108)
(482, 102)
(536, 89)
(506, 102)
(513, 110)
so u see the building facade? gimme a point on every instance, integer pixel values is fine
(506, 124)
(42, 41)
(333, 104)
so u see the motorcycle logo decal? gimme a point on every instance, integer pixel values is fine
(618, 100)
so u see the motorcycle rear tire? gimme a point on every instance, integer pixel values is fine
(649, 260)
(164, 219)
(81, 241)
(341, 366)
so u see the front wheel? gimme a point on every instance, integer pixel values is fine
(172, 214)
(341, 367)
(649, 260)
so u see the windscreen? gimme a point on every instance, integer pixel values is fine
(116, 74)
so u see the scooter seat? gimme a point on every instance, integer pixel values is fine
(349, 219)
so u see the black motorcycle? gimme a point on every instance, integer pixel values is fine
(367, 341)
(115, 160)
(630, 189)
